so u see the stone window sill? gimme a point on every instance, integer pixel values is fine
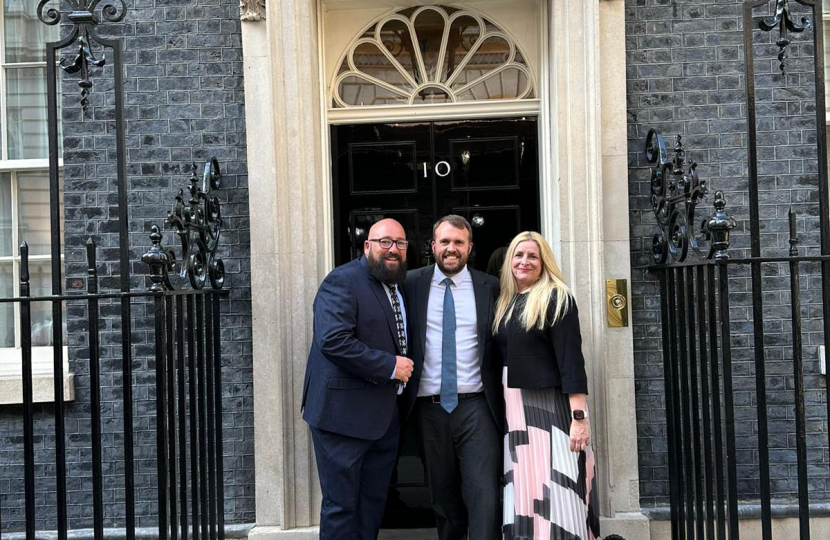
(43, 379)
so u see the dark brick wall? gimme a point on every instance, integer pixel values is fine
(685, 75)
(184, 103)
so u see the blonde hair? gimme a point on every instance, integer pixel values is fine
(549, 287)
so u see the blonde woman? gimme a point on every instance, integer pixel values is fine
(550, 490)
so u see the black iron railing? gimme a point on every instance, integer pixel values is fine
(695, 311)
(186, 323)
(188, 396)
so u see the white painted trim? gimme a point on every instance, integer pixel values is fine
(328, 196)
(24, 65)
(435, 111)
(4, 121)
(16, 258)
(26, 164)
(548, 167)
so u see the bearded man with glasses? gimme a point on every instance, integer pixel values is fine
(357, 366)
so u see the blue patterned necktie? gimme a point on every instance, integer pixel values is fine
(449, 374)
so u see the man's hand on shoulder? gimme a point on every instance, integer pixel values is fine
(403, 368)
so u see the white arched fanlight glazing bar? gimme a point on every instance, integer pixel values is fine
(410, 88)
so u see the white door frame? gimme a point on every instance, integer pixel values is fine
(583, 146)
(539, 107)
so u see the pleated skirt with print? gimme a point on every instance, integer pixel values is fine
(550, 492)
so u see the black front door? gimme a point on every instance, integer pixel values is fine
(484, 170)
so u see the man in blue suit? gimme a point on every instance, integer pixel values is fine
(356, 368)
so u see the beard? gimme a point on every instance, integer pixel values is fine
(383, 273)
(459, 263)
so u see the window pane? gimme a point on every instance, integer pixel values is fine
(24, 34)
(6, 310)
(5, 215)
(34, 211)
(26, 110)
(40, 278)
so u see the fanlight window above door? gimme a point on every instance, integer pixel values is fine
(431, 54)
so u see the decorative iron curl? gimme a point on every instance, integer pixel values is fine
(784, 21)
(198, 223)
(676, 191)
(110, 10)
(51, 17)
(83, 11)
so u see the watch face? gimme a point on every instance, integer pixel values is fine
(579, 414)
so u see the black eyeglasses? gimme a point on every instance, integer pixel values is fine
(386, 243)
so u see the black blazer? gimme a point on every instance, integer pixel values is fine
(486, 289)
(548, 357)
(347, 387)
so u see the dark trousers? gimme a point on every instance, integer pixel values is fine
(462, 455)
(354, 478)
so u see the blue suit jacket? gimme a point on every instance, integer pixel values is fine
(347, 388)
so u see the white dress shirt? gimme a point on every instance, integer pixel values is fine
(468, 364)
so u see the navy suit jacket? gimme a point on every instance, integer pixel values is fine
(347, 387)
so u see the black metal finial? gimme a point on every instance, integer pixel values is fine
(24, 269)
(679, 154)
(92, 267)
(793, 234)
(81, 63)
(785, 23)
(719, 225)
(193, 188)
(159, 260)
(83, 19)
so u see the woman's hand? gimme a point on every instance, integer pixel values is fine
(580, 429)
(580, 435)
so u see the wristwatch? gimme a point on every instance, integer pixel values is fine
(579, 414)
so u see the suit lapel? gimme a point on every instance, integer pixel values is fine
(383, 300)
(422, 303)
(482, 294)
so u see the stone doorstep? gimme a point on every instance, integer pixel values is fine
(631, 526)
(311, 533)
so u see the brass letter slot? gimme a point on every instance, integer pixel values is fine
(616, 296)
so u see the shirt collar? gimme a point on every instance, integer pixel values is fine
(438, 276)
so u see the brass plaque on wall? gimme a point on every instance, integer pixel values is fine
(616, 297)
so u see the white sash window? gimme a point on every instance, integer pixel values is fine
(24, 196)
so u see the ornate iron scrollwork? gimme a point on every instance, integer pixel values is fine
(675, 194)
(785, 23)
(83, 11)
(198, 222)
(83, 19)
